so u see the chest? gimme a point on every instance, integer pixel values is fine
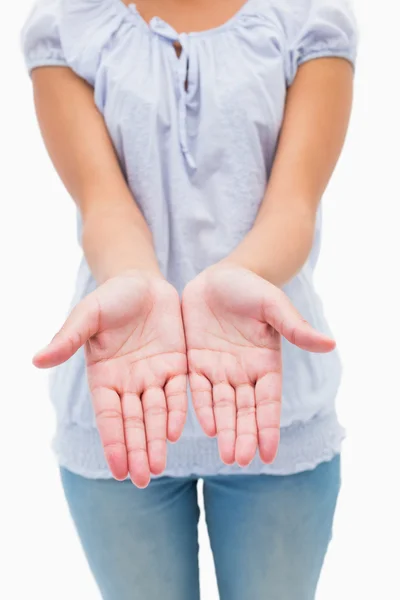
(160, 82)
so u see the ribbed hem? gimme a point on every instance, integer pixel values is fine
(303, 446)
(55, 60)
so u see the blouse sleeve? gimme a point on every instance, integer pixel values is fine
(40, 37)
(327, 29)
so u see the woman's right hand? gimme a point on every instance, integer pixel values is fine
(132, 330)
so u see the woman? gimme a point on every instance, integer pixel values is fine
(200, 234)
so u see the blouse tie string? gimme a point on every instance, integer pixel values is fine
(184, 61)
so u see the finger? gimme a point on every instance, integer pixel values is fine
(155, 421)
(225, 420)
(135, 438)
(107, 408)
(283, 316)
(201, 390)
(246, 426)
(176, 396)
(268, 392)
(82, 324)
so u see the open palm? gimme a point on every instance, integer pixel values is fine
(233, 320)
(136, 365)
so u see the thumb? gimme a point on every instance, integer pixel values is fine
(282, 315)
(82, 324)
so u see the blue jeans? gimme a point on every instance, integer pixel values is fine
(269, 534)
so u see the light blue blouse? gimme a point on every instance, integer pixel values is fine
(196, 137)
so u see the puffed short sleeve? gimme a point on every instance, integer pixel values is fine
(40, 36)
(326, 28)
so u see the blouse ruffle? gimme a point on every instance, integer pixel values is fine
(76, 32)
(40, 36)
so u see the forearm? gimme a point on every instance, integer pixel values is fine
(115, 240)
(313, 132)
(116, 237)
(278, 245)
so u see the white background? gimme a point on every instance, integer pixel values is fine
(358, 278)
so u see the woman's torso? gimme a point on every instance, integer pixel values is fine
(196, 136)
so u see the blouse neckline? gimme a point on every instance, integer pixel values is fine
(131, 9)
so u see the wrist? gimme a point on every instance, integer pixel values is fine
(276, 248)
(148, 274)
(250, 263)
(114, 246)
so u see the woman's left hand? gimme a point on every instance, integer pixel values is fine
(233, 320)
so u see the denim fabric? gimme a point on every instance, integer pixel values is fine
(268, 534)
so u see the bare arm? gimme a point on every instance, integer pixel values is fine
(234, 310)
(116, 237)
(314, 128)
(131, 325)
